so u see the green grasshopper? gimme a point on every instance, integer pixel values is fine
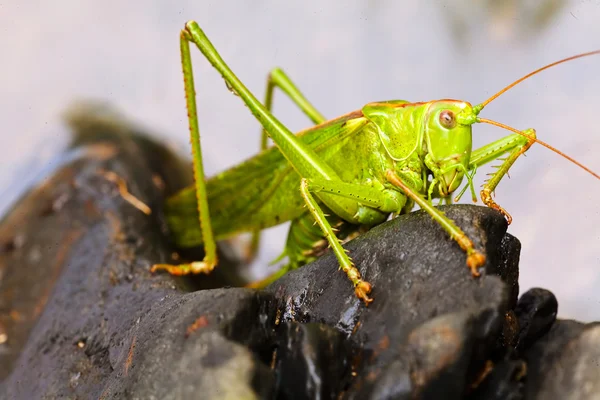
(339, 176)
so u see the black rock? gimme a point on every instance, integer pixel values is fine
(84, 318)
(312, 361)
(431, 322)
(505, 381)
(536, 312)
(213, 344)
(78, 272)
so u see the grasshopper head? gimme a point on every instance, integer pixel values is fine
(449, 142)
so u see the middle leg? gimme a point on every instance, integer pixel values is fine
(361, 288)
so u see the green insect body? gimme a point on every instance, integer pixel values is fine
(263, 191)
(337, 178)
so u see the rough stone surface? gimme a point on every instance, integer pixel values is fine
(213, 344)
(505, 382)
(535, 312)
(74, 265)
(312, 361)
(430, 320)
(565, 363)
(83, 317)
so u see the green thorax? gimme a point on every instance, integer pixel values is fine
(425, 137)
(399, 125)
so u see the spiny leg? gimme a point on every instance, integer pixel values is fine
(210, 247)
(279, 79)
(193, 33)
(515, 144)
(384, 200)
(304, 159)
(474, 258)
(301, 157)
(361, 288)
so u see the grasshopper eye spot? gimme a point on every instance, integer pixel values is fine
(447, 119)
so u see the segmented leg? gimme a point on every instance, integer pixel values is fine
(303, 235)
(210, 247)
(374, 207)
(474, 258)
(515, 144)
(383, 200)
(279, 79)
(193, 33)
(301, 157)
(361, 288)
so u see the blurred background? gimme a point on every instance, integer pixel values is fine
(343, 54)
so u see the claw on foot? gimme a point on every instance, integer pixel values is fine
(362, 290)
(508, 217)
(198, 267)
(486, 197)
(474, 261)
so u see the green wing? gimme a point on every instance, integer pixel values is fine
(258, 193)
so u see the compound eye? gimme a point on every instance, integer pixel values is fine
(447, 119)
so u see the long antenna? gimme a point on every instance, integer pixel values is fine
(554, 149)
(479, 107)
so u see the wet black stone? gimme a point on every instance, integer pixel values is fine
(394, 382)
(79, 278)
(429, 314)
(312, 361)
(193, 346)
(536, 312)
(504, 382)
